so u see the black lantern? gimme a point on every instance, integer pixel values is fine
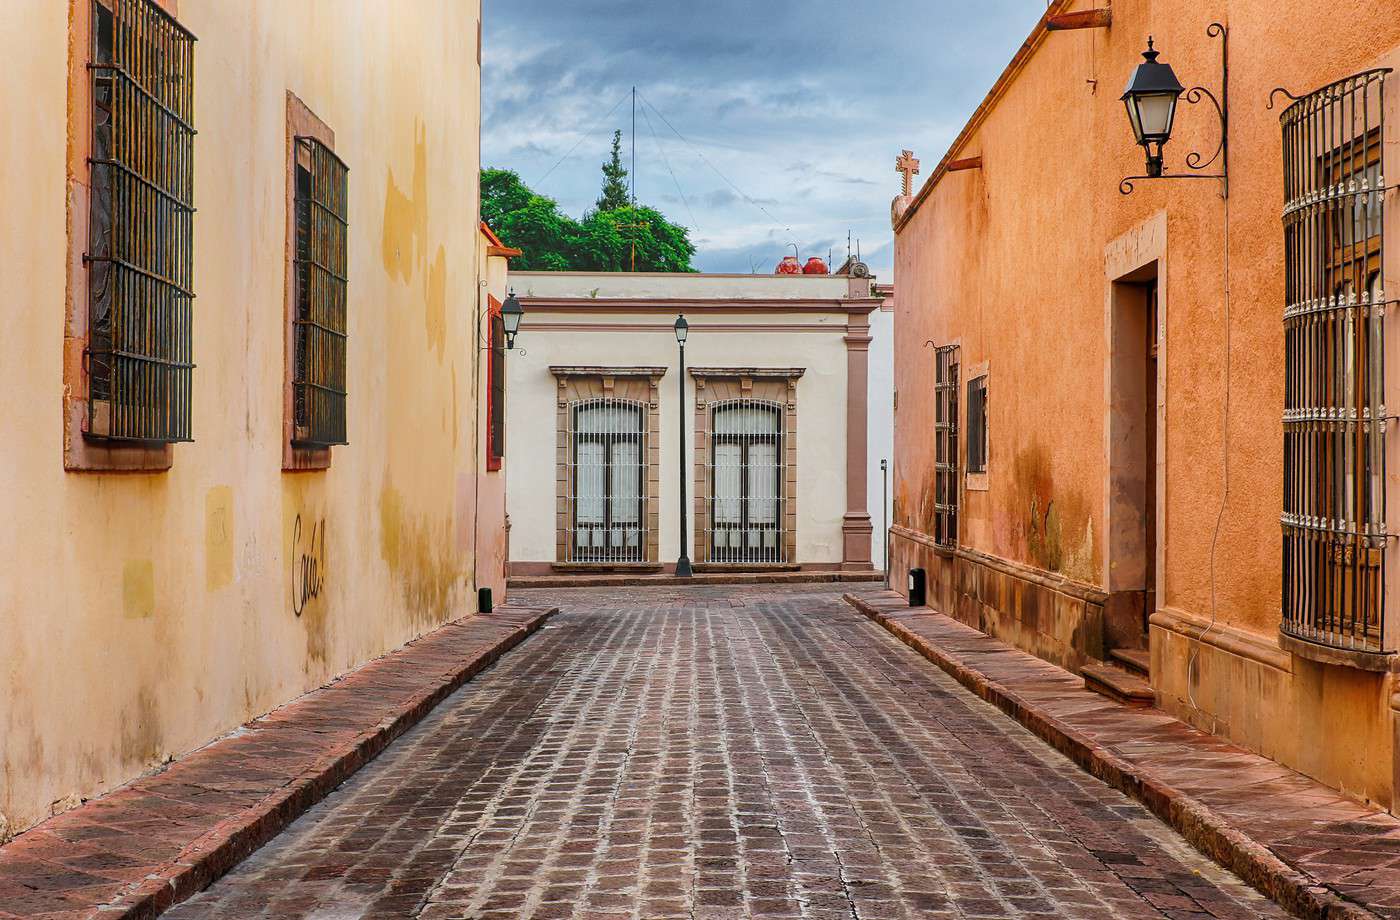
(1151, 102)
(511, 314)
(682, 329)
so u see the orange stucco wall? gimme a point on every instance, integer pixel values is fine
(1012, 261)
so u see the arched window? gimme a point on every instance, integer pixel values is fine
(607, 477)
(747, 478)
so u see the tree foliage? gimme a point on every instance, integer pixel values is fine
(614, 194)
(602, 241)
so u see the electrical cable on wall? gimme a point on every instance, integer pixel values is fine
(1224, 474)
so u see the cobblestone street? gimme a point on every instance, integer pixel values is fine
(721, 752)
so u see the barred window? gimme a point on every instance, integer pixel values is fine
(1334, 531)
(141, 224)
(977, 425)
(748, 503)
(321, 277)
(496, 390)
(945, 435)
(607, 478)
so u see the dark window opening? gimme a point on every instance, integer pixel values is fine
(977, 425)
(322, 231)
(140, 251)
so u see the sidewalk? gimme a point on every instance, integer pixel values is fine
(156, 841)
(1318, 854)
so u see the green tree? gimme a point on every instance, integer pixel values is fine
(602, 241)
(614, 194)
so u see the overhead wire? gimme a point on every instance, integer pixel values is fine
(662, 151)
(583, 137)
(704, 159)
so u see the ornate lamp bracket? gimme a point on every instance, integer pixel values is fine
(1195, 160)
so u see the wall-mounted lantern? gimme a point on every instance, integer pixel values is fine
(1151, 97)
(511, 315)
(1151, 102)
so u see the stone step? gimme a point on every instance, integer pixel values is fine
(1135, 661)
(1118, 685)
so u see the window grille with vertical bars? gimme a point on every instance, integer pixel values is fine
(322, 230)
(1334, 528)
(496, 391)
(141, 224)
(607, 478)
(748, 478)
(945, 434)
(977, 425)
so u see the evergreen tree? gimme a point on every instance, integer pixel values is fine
(614, 179)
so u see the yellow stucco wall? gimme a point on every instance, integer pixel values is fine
(1010, 260)
(142, 615)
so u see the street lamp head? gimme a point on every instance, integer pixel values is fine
(682, 329)
(511, 314)
(1150, 99)
(884, 465)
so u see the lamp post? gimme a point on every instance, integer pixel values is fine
(683, 561)
(885, 514)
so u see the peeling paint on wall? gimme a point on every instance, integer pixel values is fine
(139, 589)
(218, 537)
(435, 302)
(420, 553)
(1055, 531)
(405, 216)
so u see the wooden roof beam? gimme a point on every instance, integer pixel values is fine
(1083, 19)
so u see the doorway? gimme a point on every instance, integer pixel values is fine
(1135, 320)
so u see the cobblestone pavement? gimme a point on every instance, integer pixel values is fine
(721, 752)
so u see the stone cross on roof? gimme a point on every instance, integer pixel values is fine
(909, 166)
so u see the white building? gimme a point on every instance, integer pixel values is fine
(775, 416)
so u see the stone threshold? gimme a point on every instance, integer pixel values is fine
(162, 838)
(634, 580)
(1304, 845)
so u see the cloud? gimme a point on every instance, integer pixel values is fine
(798, 105)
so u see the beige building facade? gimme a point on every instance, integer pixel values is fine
(244, 367)
(774, 415)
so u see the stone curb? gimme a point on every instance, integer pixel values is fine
(1203, 827)
(238, 835)
(716, 578)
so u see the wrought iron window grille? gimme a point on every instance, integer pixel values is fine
(1335, 537)
(748, 483)
(1194, 159)
(140, 252)
(607, 480)
(321, 262)
(946, 499)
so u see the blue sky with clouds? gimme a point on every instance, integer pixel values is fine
(792, 113)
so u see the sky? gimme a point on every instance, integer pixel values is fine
(760, 123)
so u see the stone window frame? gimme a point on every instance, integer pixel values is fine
(778, 384)
(642, 384)
(81, 454)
